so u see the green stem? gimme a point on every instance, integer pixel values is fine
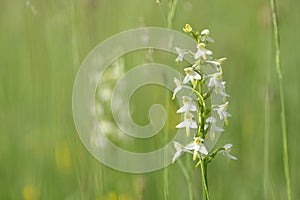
(267, 136)
(166, 169)
(201, 104)
(204, 180)
(171, 14)
(202, 110)
(169, 23)
(282, 114)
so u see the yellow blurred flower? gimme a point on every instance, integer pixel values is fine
(112, 196)
(187, 28)
(63, 158)
(115, 196)
(30, 192)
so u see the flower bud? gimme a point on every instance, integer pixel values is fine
(187, 28)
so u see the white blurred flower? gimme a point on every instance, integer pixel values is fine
(104, 93)
(221, 110)
(226, 151)
(188, 105)
(216, 84)
(179, 151)
(212, 124)
(188, 123)
(197, 147)
(213, 62)
(216, 63)
(191, 75)
(178, 87)
(180, 53)
(205, 36)
(205, 32)
(202, 51)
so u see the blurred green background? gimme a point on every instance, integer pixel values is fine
(42, 46)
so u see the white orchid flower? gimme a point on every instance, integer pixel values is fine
(188, 123)
(226, 151)
(181, 53)
(179, 87)
(221, 110)
(202, 52)
(197, 147)
(217, 63)
(191, 75)
(188, 105)
(213, 127)
(179, 151)
(205, 36)
(216, 84)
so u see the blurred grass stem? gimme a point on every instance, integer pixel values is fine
(282, 114)
(171, 13)
(169, 24)
(267, 136)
